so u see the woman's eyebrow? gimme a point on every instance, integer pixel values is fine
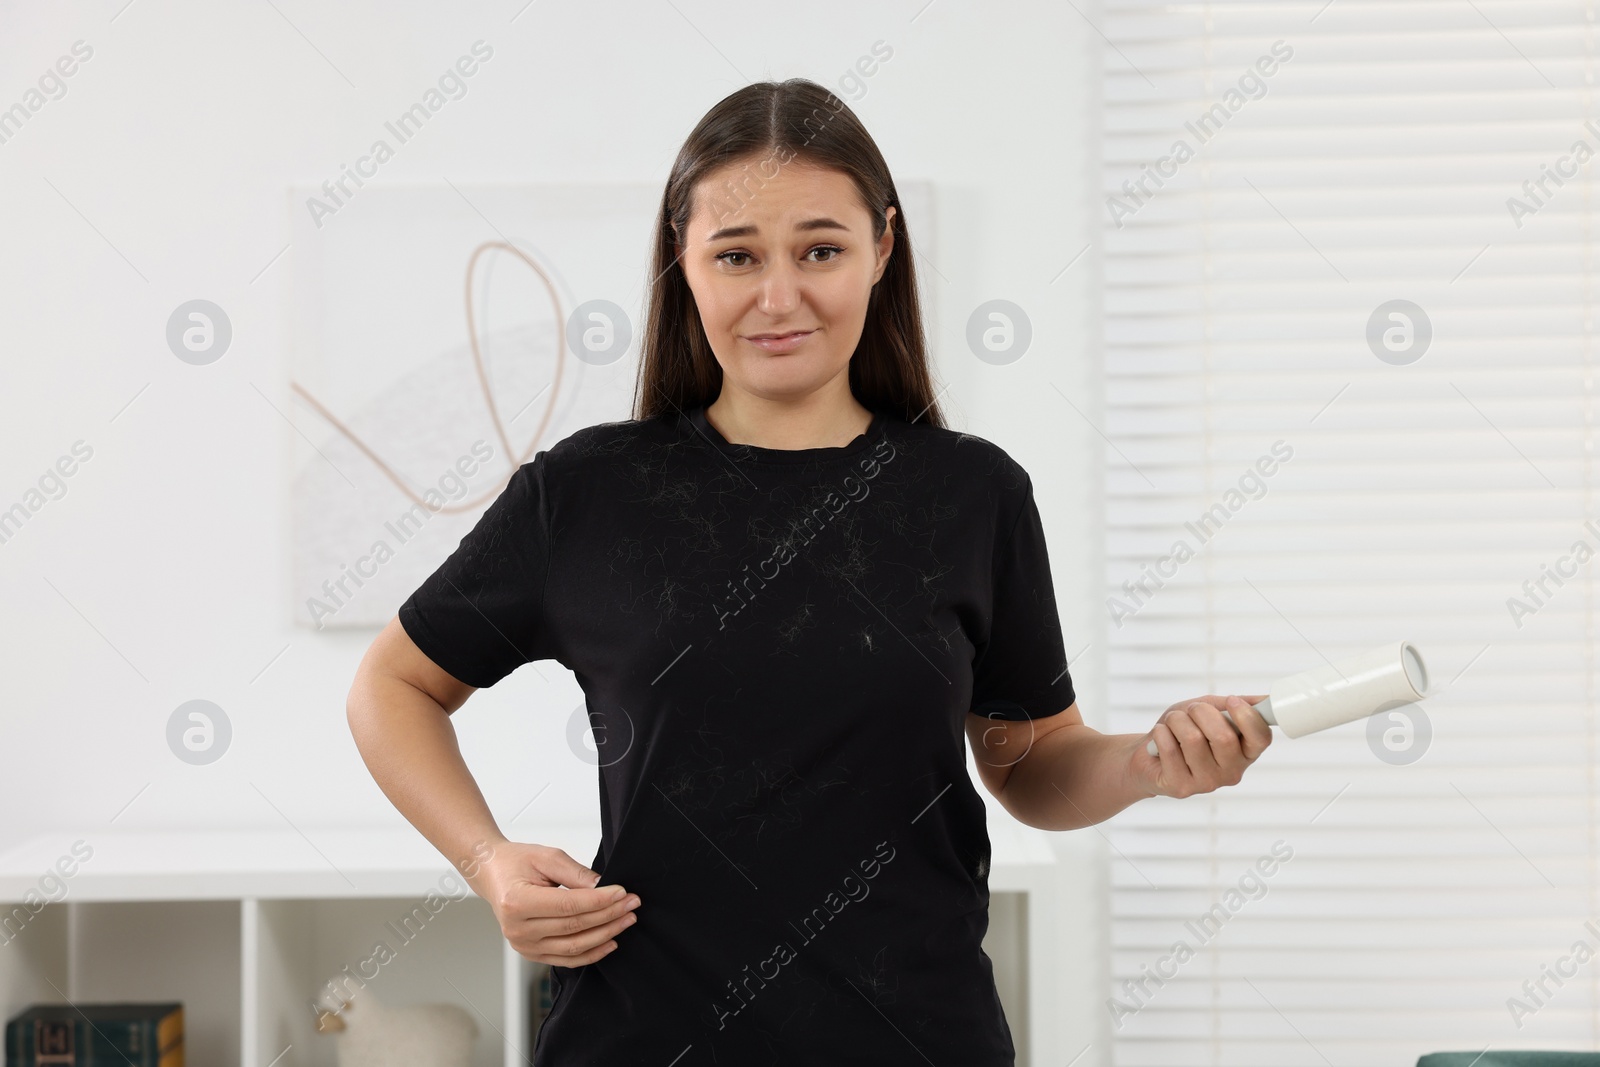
(749, 229)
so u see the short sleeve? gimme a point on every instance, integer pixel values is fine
(480, 615)
(1020, 671)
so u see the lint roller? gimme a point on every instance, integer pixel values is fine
(1385, 678)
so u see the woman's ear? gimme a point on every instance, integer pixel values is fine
(885, 244)
(677, 240)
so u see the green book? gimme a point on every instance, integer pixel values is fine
(123, 1034)
(539, 1003)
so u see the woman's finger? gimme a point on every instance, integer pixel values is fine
(1255, 733)
(1196, 746)
(1221, 731)
(524, 900)
(1174, 771)
(530, 950)
(578, 944)
(588, 921)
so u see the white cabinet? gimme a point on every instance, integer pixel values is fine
(248, 929)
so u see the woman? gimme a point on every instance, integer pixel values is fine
(787, 592)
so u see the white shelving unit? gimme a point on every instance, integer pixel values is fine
(246, 928)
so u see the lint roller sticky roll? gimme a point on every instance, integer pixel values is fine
(1385, 678)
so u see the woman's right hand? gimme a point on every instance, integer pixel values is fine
(544, 922)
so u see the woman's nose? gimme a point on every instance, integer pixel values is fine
(779, 290)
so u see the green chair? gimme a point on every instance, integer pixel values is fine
(1510, 1058)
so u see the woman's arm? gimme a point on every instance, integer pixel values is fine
(550, 907)
(399, 711)
(1057, 773)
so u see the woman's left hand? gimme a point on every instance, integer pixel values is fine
(1198, 750)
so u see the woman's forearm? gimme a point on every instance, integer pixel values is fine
(409, 745)
(1073, 777)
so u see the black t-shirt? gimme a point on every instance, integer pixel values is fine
(779, 650)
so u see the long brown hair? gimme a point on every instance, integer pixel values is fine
(780, 122)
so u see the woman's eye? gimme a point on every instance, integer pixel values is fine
(826, 248)
(724, 257)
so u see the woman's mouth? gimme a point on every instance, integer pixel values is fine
(779, 343)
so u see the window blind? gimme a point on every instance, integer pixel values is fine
(1349, 384)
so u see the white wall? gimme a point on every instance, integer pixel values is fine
(159, 177)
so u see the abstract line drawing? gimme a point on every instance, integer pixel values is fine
(490, 403)
(404, 430)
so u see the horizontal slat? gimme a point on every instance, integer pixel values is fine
(1129, 22)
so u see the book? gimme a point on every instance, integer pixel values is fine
(539, 1002)
(140, 1034)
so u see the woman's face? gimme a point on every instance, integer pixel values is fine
(781, 273)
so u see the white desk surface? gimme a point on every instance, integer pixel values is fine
(347, 861)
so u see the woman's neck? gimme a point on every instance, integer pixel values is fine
(815, 421)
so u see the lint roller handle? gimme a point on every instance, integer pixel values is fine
(1380, 680)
